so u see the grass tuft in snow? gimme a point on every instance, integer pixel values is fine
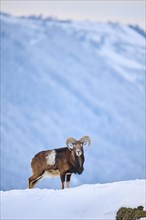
(129, 213)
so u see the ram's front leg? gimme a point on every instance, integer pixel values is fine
(68, 176)
(62, 176)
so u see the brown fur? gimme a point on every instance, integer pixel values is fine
(66, 162)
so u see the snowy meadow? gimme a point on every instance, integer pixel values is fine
(93, 201)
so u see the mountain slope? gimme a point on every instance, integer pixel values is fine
(66, 78)
(99, 201)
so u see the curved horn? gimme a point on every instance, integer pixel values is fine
(69, 142)
(85, 139)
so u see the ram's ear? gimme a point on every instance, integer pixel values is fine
(70, 143)
(85, 140)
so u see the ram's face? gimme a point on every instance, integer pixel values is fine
(77, 149)
(78, 156)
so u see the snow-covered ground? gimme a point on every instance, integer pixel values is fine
(98, 201)
(67, 78)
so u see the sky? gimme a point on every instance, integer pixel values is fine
(122, 11)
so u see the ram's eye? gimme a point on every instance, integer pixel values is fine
(85, 142)
(70, 145)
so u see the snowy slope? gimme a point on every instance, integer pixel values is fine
(66, 78)
(99, 201)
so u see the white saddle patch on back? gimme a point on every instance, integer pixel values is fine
(51, 157)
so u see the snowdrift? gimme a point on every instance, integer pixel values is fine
(99, 201)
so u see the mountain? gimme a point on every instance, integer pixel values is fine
(63, 79)
(95, 201)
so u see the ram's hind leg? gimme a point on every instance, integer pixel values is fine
(33, 180)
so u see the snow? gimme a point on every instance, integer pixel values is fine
(63, 79)
(89, 201)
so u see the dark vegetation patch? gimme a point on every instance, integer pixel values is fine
(130, 214)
